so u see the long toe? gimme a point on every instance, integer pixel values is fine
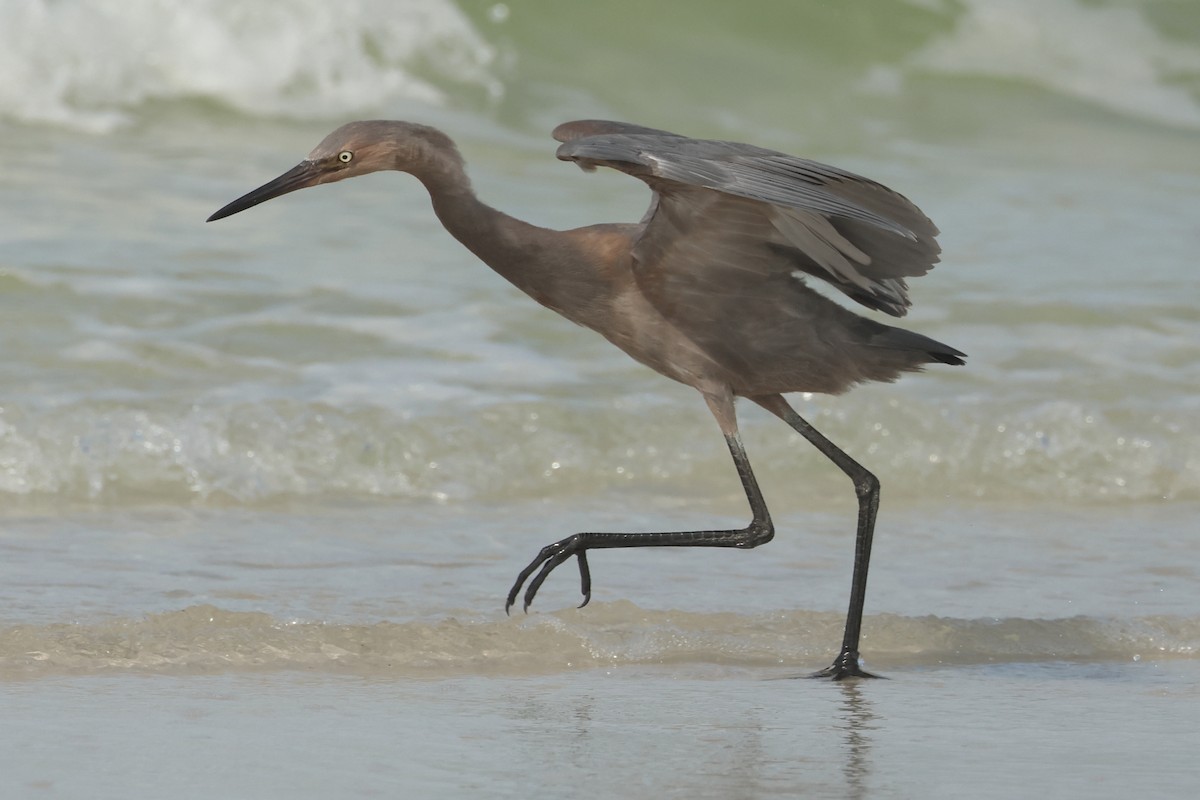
(513, 592)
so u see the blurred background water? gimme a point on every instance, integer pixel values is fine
(320, 436)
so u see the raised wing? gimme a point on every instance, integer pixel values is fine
(854, 233)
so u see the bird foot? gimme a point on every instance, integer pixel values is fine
(547, 559)
(844, 666)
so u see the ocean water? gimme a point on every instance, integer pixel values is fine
(264, 483)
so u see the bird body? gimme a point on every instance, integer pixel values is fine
(710, 289)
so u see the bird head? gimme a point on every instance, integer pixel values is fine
(356, 148)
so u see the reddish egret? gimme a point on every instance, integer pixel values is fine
(709, 289)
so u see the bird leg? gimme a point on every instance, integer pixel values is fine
(759, 531)
(866, 487)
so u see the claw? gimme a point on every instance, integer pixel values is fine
(585, 578)
(548, 558)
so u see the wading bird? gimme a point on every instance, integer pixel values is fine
(709, 289)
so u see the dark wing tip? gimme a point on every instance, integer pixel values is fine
(945, 354)
(910, 341)
(949, 359)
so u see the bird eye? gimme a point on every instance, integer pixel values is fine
(345, 156)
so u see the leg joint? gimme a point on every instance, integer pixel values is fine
(866, 485)
(758, 532)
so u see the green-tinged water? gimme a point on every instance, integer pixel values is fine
(278, 472)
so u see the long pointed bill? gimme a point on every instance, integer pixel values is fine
(304, 174)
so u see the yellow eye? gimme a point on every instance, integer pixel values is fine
(345, 156)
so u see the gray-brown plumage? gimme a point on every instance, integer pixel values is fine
(709, 289)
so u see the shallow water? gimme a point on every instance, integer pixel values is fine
(265, 482)
(981, 731)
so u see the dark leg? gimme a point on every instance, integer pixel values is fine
(759, 531)
(866, 486)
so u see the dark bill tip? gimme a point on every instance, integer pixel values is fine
(300, 176)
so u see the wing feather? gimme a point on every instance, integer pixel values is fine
(858, 235)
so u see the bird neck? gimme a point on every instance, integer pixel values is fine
(520, 252)
(545, 264)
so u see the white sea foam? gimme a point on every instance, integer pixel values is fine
(86, 64)
(213, 453)
(1108, 55)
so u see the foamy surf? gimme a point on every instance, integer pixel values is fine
(207, 639)
(98, 66)
(216, 453)
(1109, 55)
(93, 65)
